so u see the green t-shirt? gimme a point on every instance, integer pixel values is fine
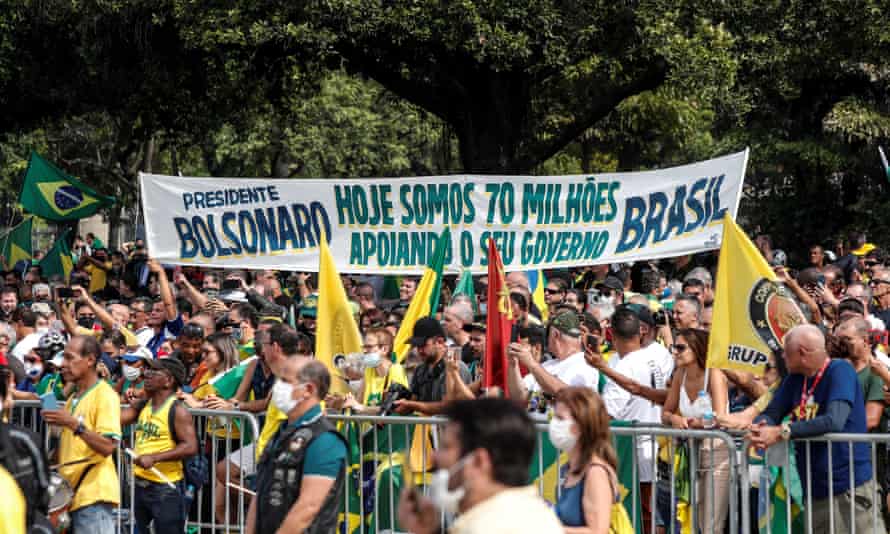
(872, 385)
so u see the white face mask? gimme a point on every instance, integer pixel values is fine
(132, 373)
(33, 370)
(283, 396)
(561, 436)
(371, 360)
(446, 499)
(355, 386)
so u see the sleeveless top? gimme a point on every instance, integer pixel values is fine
(685, 406)
(153, 435)
(570, 508)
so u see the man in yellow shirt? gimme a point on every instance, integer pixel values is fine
(91, 430)
(160, 449)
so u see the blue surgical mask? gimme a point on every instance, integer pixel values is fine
(371, 360)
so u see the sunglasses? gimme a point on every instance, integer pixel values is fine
(679, 347)
(549, 291)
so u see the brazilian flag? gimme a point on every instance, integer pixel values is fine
(57, 261)
(51, 194)
(16, 244)
(375, 475)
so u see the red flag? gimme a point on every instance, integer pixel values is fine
(498, 323)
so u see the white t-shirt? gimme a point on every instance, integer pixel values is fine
(574, 371)
(144, 335)
(643, 366)
(660, 354)
(26, 345)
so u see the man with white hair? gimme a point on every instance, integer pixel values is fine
(700, 273)
(822, 395)
(41, 293)
(455, 317)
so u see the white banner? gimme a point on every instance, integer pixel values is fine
(389, 226)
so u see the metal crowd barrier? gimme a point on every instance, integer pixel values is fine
(223, 436)
(869, 494)
(376, 430)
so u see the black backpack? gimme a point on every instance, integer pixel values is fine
(23, 458)
(196, 468)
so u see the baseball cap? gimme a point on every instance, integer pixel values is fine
(172, 366)
(613, 283)
(135, 355)
(43, 308)
(567, 323)
(425, 329)
(864, 249)
(477, 325)
(643, 312)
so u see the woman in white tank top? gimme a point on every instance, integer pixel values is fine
(690, 350)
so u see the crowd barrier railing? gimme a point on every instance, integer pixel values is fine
(226, 438)
(855, 509)
(723, 475)
(719, 482)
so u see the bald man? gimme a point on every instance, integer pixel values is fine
(822, 396)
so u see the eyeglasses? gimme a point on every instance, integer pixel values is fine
(549, 291)
(679, 347)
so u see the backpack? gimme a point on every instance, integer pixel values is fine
(196, 468)
(25, 461)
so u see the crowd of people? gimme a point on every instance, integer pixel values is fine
(118, 354)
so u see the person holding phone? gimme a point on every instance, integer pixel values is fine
(91, 429)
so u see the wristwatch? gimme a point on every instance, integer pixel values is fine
(786, 431)
(80, 428)
(236, 404)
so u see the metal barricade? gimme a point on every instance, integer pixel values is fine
(227, 438)
(703, 446)
(854, 508)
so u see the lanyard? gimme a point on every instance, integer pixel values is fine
(806, 394)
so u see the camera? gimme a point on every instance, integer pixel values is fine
(394, 393)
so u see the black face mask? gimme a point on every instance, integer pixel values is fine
(86, 322)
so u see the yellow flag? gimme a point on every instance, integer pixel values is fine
(336, 332)
(752, 310)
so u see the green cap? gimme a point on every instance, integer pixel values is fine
(568, 323)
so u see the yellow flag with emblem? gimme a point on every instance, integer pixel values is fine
(336, 332)
(753, 310)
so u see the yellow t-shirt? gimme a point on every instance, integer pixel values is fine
(128, 334)
(274, 418)
(153, 435)
(12, 520)
(215, 425)
(100, 407)
(97, 276)
(376, 385)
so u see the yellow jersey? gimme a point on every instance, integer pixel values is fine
(97, 276)
(100, 407)
(12, 520)
(376, 385)
(153, 435)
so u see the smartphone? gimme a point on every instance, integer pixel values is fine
(48, 401)
(231, 284)
(514, 334)
(65, 292)
(592, 341)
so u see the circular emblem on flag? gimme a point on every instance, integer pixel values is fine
(67, 197)
(772, 311)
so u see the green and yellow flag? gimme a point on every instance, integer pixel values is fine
(51, 194)
(16, 244)
(426, 298)
(752, 309)
(336, 332)
(57, 261)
